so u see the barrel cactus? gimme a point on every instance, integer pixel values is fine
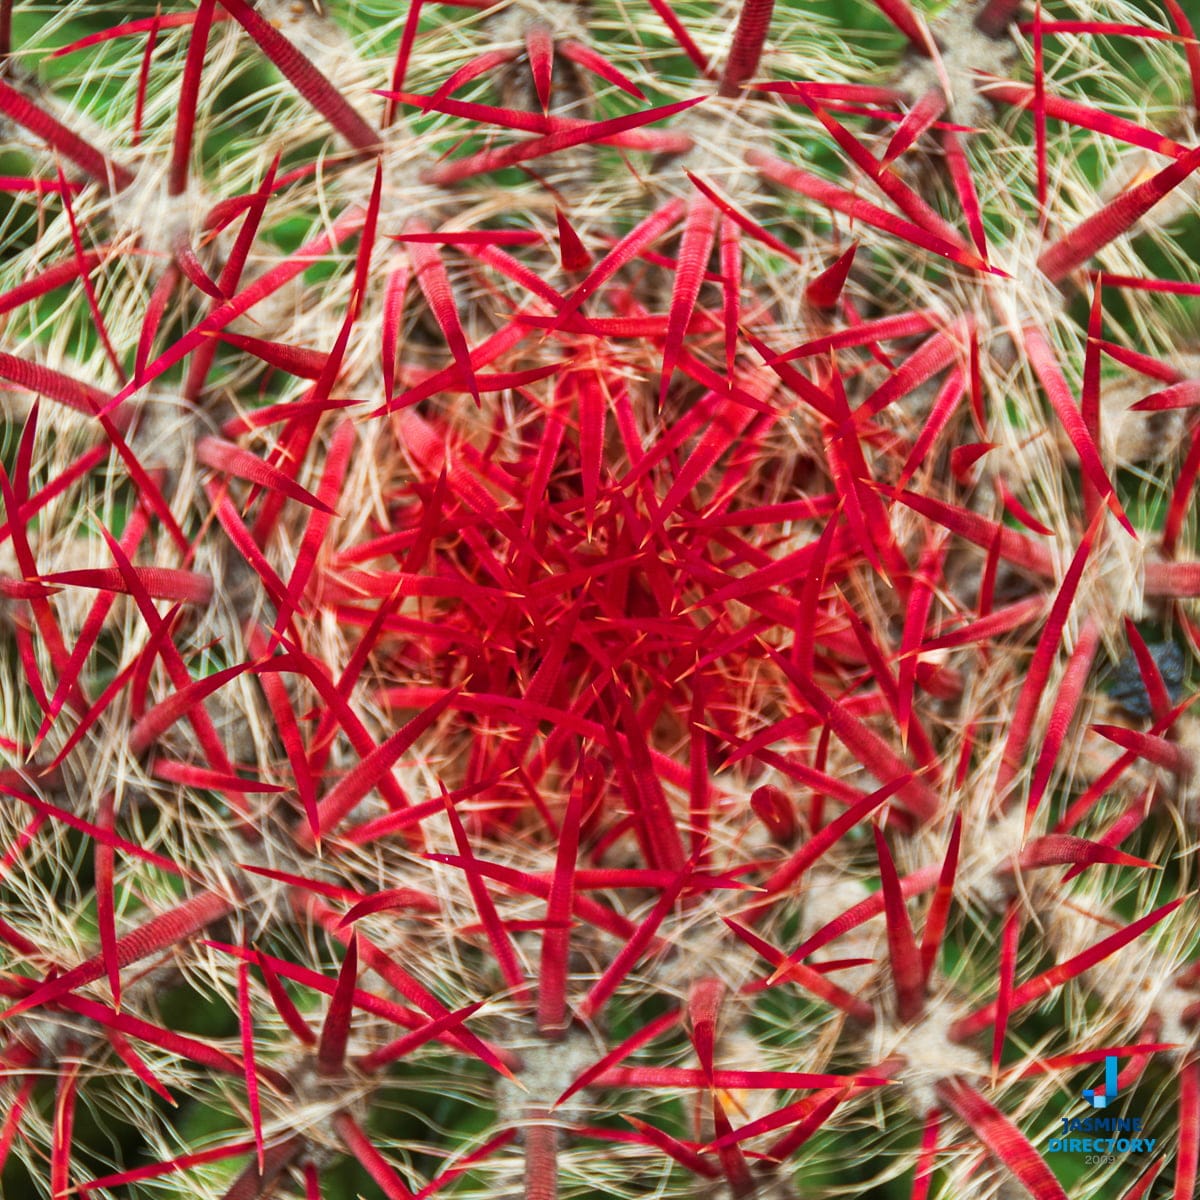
(599, 599)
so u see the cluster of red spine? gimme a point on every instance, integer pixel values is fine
(593, 601)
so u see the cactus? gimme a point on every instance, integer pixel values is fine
(598, 600)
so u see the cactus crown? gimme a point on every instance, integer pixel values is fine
(597, 600)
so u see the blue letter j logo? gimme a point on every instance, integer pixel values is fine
(1101, 1099)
